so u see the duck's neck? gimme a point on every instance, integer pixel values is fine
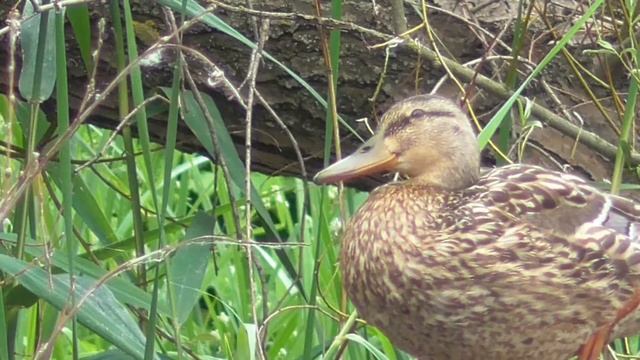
(450, 174)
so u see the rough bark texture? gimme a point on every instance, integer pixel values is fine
(296, 42)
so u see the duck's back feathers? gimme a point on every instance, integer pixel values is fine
(598, 228)
(558, 202)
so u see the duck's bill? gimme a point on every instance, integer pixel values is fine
(371, 158)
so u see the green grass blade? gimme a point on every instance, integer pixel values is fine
(623, 142)
(330, 135)
(372, 349)
(189, 265)
(132, 171)
(180, 310)
(38, 73)
(62, 107)
(81, 24)
(137, 92)
(488, 131)
(4, 330)
(246, 348)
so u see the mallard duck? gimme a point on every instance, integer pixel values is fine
(519, 262)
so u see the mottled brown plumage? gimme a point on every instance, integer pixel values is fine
(521, 262)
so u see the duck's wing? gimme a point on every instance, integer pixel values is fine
(589, 237)
(560, 203)
(597, 229)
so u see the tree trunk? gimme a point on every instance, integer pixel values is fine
(370, 77)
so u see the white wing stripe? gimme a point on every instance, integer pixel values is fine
(604, 213)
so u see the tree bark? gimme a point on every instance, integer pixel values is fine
(370, 78)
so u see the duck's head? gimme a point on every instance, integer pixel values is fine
(426, 137)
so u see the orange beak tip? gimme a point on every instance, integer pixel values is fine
(371, 158)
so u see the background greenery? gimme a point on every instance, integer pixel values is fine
(113, 247)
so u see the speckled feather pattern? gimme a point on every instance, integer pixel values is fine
(528, 263)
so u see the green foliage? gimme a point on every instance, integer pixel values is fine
(99, 310)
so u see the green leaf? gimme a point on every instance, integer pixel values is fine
(189, 265)
(30, 38)
(81, 23)
(100, 311)
(122, 288)
(607, 46)
(109, 355)
(19, 296)
(23, 115)
(372, 349)
(246, 347)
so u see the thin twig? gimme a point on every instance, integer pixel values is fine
(90, 91)
(124, 122)
(252, 74)
(303, 171)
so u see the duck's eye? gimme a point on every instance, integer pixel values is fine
(418, 113)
